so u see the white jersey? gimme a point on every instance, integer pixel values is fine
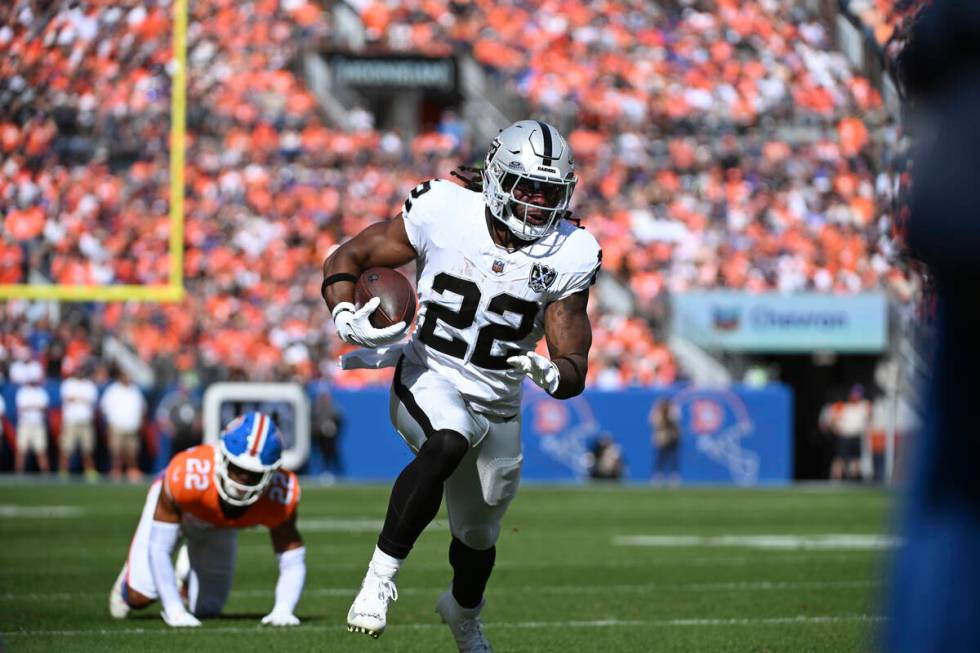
(480, 303)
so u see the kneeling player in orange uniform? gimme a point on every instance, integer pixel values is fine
(205, 495)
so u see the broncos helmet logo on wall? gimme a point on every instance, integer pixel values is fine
(719, 420)
(565, 428)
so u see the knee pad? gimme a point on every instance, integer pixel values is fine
(478, 537)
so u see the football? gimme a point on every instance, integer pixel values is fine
(398, 300)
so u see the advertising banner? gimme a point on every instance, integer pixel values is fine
(773, 322)
(395, 71)
(738, 435)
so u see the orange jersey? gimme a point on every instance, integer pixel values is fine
(190, 481)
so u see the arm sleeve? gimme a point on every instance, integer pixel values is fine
(292, 575)
(163, 539)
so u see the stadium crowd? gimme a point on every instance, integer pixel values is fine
(717, 149)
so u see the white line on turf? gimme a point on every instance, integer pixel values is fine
(761, 586)
(821, 542)
(595, 623)
(353, 525)
(39, 512)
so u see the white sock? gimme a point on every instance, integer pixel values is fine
(385, 565)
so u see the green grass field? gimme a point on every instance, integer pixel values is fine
(578, 569)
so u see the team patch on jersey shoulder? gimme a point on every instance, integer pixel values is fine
(541, 277)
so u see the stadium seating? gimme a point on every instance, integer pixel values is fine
(686, 132)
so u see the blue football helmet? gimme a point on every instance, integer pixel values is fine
(252, 443)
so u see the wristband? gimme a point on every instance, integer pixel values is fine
(336, 278)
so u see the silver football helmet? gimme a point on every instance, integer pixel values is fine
(529, 178)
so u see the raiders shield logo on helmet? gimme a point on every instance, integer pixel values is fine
(542, 277)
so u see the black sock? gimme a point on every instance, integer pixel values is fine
(471, 571)
(417, 492)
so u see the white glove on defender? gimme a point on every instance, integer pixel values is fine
(542, 371)
(292, 575)
(180, 619)
(280, 618)
(354, 325)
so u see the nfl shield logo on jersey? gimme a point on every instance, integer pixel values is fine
(498, 266)
(542, 277)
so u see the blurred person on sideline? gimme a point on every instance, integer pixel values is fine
(178, 415)
(848, 421)
(605, 459)
(934, 592)
(665, 435)
(24, 367)
(78, 398)
(327, 424)
(123, 405)
(32, 432)
(878, 436)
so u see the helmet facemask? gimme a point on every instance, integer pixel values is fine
(252, 478)
(530, 205)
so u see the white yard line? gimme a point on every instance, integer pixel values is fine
(39, 512)
(761, 586)
(533, 625)
(817, 541)
(354, 525)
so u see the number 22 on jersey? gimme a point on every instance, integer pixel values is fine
(464, 317)
(197, 476)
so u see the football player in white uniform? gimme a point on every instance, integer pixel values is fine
(496, 271)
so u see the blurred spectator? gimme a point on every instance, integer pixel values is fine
(25, 368)
(328, 423)
(123, 405)
(848, 422)
(78, 398)
(666, 439)
(882, 412)
(605, 459)
(178, 418)
(32, 433)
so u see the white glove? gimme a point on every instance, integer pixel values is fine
(354, 325)
(540, 370)
(180, 619)
(280, 617)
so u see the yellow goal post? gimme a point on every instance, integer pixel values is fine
(174, 289)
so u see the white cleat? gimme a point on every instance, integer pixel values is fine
(465, 624)
(118, 607)
(369, 612)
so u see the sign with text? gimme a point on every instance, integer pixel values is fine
(412, 72)
(773, 322)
